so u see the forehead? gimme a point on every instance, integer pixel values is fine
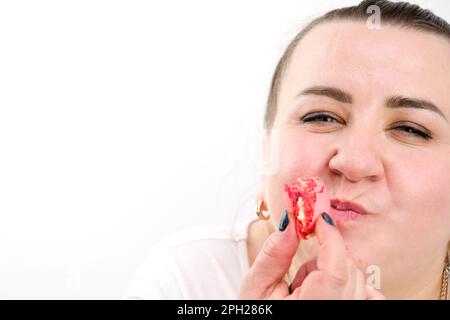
(371, 63)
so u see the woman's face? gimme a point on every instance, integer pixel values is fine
(391, 158)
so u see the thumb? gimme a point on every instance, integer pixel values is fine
(275, 257)
(374, 294)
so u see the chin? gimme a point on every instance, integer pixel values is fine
(362, 253)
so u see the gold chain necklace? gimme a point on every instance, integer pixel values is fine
(444, 284)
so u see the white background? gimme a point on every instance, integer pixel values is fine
(122, 122)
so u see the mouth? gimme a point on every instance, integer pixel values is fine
(346, 210)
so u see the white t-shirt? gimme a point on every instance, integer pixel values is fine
(200, 263)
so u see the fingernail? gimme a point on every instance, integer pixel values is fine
(284, 221)
(328, 219)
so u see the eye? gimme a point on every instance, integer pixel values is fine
(320, 117)
(414, 132)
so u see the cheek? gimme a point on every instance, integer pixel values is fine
(298, 153)
(422, 197)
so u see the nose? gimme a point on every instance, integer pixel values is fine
(356, 157)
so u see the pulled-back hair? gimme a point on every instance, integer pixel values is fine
(402, 14)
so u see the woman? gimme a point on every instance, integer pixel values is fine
(363, 102)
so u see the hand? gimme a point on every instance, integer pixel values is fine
(332, 275)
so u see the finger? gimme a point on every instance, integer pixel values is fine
(352, 280)
(317, 286)
(275, 257)
(287, 202)
(373, 294)
(302, 273)
(356, 284)
(360, 288)
(332, 256)
(280, 291)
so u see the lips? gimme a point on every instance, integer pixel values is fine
(346, 210)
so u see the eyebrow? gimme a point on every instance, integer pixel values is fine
(392, 102)
(334, 93)
(404, 102)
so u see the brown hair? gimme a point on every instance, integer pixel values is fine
(401, 14)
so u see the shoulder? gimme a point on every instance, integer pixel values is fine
(182, 265)
(206, 236)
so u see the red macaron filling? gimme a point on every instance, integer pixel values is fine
(302, 195)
